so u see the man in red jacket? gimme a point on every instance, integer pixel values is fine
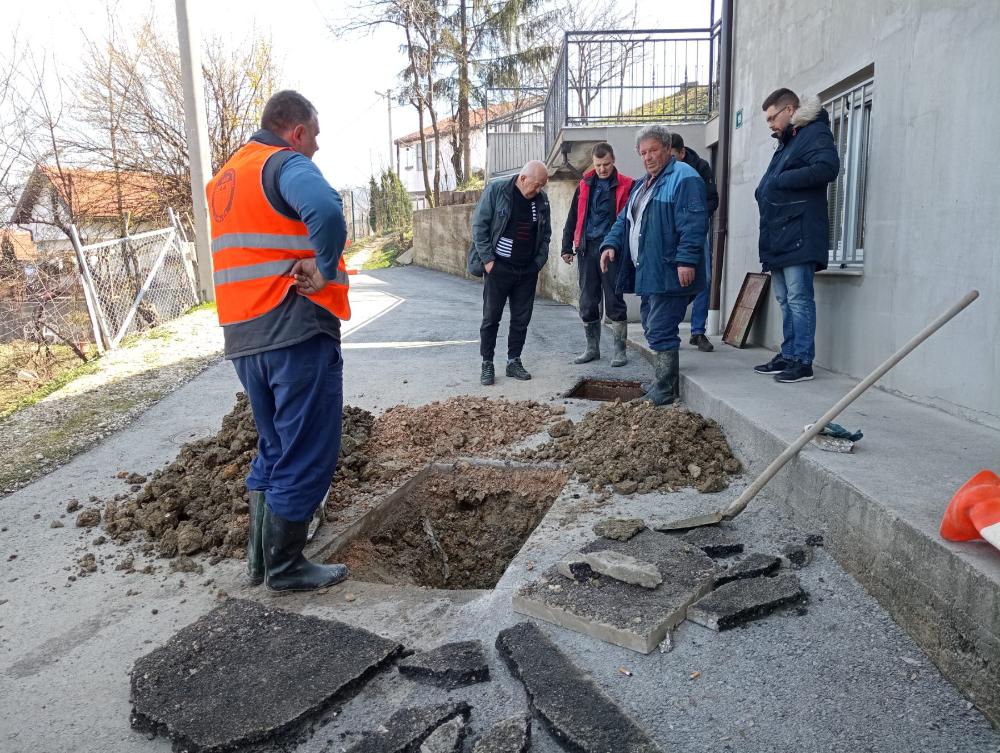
(599, 198)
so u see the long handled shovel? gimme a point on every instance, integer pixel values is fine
(792, 450)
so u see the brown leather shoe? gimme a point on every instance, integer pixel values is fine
(703, 343)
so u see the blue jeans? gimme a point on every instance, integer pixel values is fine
(661, 318)
(793, 289)
(699, 308)
(297, 397)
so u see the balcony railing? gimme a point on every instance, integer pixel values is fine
(515, 129)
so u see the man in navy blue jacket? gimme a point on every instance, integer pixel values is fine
(659, 239)
(794, 242)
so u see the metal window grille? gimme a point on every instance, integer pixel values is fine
(850, 118)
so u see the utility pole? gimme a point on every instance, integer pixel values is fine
(388, 104)
(199, 152)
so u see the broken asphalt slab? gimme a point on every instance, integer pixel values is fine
(712, 541)
(447, 738)
(450, 666)
(408, 728)
(743, 600)
(612, 564)
(620, 529)
(246, 672)
(620, 613)
(512, 735)
(752, 566)
(579, 715)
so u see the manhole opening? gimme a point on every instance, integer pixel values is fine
(451, 527)
(606, 390)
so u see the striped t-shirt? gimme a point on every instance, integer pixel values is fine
(517, 243)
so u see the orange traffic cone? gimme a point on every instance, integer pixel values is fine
(974, 511)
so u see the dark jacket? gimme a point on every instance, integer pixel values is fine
(572, 219)
(673, 233)
(791, 197)
(705, 171)
(490, 218)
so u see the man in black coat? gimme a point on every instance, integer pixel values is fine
(699, 307)
(794, 235)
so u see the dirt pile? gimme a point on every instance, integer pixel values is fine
(457, 529)
(199, 502)
(637, 447)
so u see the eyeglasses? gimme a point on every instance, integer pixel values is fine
(772, 118)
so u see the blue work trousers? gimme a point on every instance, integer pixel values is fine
(297, 397)
(661, 318)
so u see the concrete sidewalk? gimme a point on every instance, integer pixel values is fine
(837, 676)
(881, 506)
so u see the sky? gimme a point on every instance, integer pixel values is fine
(339, 75)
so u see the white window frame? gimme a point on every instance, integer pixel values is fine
(850, 119)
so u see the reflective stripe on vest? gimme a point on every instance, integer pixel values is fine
(254, 247)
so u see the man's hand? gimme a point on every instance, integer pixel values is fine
(488, 267)
(607, 256)
(308, 278)
(685, 275)
(568, 258)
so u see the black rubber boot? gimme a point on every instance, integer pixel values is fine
(255, 544)
(666, 385)
(593, 351)
(620, 330)
(286, 568)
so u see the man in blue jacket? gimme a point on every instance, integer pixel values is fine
(511, 228)
(794, 241)
(659, 239)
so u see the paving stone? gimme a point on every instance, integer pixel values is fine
(744, 600)
(447, 738)
(620, 529)
(408, 728)
(797, 555)
(580, 716)
(712, 541)
(450, 666)
(625, 568)
(512, 735)
(204, 689)
(621, 613)
(752, 566)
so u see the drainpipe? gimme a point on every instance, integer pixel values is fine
(725, 149)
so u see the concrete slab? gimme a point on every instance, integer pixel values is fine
(246, 672)
(591, 722)
(447, 738)
(713, 541)
(449, 666)
(512, 735)
(754, 565)
(625, 568)
(620, 613)
(743, 600)
(408, 728)
(620, 529)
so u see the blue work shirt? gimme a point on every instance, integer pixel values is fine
(599, 214)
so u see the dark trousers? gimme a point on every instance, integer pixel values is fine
(507, 283)
(661, 318)
(595, 285)
(297, 397)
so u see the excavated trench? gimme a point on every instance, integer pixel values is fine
(451, 526)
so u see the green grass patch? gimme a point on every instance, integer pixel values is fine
(60, 380)
(206, 306)
(385, 256)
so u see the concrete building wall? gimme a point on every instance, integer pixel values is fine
(933, 184)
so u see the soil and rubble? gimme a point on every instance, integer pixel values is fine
(636, 447)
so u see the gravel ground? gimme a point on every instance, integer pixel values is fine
(37, 439)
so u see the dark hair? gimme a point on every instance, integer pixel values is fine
(286, 109)
(602, 150)
(780, 98)
(676, 141)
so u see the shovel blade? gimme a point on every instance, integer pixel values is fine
(695, 521)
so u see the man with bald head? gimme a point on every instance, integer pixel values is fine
(511, 228)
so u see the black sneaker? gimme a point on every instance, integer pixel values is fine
(776, 365)
(796, 372)
(702, 342)
(487, 374)
(516, 370)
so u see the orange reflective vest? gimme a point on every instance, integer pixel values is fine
(254, 246)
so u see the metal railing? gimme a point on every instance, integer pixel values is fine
(515, 129)
(622, 77)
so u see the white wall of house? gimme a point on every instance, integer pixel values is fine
(411, 174)
(933, 185)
